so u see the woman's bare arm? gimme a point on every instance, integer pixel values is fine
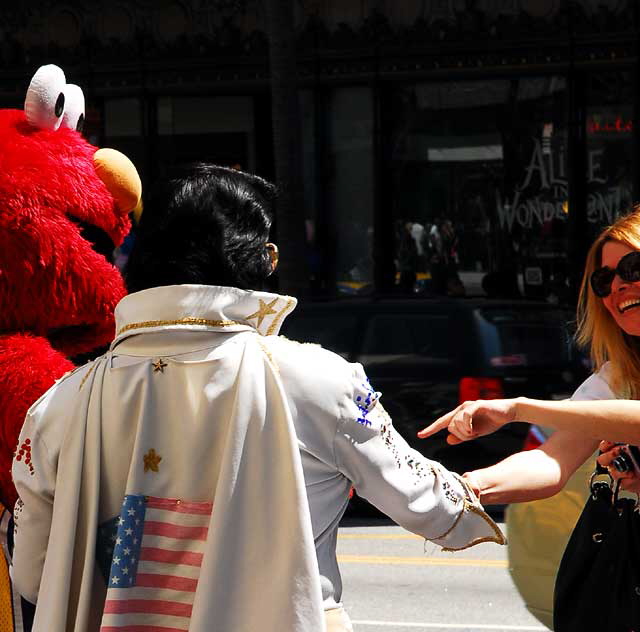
(533, 474)
(612, 419)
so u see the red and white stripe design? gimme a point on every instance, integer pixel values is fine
(170, 556)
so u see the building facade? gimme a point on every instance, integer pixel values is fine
(456, 146)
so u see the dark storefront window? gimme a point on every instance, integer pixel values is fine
(609, 148)
(208, 129)
(123, 129)
(310, 189)
(308, 118)
(479, 195)
(350, 186)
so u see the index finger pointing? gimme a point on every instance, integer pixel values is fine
(438, 424)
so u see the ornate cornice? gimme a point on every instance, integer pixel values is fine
(200, 44)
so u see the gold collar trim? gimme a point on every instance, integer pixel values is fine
(203, 322)
(278, 317)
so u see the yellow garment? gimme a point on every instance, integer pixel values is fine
(538, 532)
(6, 597)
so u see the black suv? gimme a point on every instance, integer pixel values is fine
(428, 355)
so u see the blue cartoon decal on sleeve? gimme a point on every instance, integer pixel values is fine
(365, 401)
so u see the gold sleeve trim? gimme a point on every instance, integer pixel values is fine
(498, 538)
(204, 322)
(452, 527)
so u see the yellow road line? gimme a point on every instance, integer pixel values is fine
(420, 561)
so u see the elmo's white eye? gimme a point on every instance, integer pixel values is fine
(45, 101)
(73, 116)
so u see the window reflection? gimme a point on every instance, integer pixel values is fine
(480, 187)
(609, 148)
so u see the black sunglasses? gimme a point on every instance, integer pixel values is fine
(628, 269)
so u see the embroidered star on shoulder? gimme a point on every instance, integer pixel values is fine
(159, 366)
(151, 461)
(265, 310)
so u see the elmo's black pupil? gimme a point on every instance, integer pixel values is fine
(60, 105)
(80, 123)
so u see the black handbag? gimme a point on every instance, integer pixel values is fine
(598, 583)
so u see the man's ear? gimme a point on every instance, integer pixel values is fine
(274, 255)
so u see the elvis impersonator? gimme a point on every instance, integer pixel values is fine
(192, 478)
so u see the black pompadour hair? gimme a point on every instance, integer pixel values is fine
(204, 224)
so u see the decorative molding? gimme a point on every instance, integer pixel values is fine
(193, 44)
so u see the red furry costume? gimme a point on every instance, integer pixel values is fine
(57, 291)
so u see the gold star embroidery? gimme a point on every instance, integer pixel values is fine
(151, 461)
(159, 366)
(265, 310)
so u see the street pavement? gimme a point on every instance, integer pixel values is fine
(394, 581)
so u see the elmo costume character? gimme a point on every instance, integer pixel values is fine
(64, 207)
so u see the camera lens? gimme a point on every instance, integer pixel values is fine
(621, 463)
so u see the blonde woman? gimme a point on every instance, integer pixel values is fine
(609, 324)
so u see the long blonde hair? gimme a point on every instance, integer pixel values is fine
(597, 329)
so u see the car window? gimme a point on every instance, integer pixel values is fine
(522, 337)
(426, 336)
(336, 333)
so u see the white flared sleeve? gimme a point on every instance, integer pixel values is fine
(34, 476)
(419, 494)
